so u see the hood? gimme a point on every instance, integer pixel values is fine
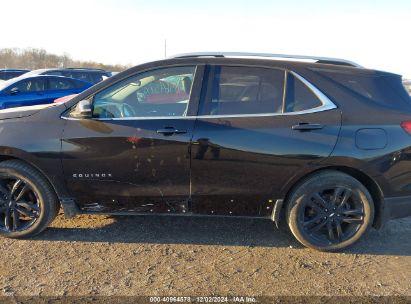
(20, 112)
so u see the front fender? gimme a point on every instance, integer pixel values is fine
(36, 139)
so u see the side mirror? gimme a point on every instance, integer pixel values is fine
(82, 110)
(14, 91)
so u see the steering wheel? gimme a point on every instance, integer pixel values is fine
(127, 110)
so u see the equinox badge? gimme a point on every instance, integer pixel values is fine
(92, 175)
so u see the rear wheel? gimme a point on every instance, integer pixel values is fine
(28, 203)
(329, 211)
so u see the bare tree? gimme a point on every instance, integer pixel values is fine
(32, 58)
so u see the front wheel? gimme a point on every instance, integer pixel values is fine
(329, 211)
(28, 203)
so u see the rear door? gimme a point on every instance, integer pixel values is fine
(133, 155)
(58, 87)
(257, 127)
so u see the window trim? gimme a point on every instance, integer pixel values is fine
(326, 103)
(197, 90)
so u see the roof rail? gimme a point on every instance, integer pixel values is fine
(325, 60)
(92, 69)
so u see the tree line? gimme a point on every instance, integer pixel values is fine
(32, 59)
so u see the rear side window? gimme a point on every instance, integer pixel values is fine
(54, 72)
(83, 76)
(245, 90)
(67, 74)
(74, 74)
(60, 84)
(96, 77)
(78, 84)
(299, 97)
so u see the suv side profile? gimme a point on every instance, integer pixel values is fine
(323, 145)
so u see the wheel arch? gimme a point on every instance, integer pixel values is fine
(31, 164)
(368, 182)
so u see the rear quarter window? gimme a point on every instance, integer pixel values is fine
(299, 97)
(385, 90)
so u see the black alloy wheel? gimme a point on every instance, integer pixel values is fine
(28, 203)
(329, 211)
(332, 215)
(19, 205)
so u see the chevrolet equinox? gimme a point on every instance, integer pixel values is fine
(319, 143)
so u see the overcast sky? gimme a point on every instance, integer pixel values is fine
(375, 33)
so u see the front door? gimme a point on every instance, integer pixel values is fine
(26, 92)
(250, 138)
(134, 154)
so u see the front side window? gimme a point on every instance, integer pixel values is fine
(245, 90)
(161, 92)
(30, 85)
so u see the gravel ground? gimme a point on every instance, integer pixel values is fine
(178, 256)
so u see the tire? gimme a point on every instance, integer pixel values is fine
(28, 203)
(329, 211)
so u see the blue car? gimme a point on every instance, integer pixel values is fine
(35, 90)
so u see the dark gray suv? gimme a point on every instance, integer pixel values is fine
(324, 146)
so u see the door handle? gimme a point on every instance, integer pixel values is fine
(167, 131)
(304, 126)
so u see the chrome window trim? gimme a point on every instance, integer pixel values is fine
(284, 90)
(314, 110)
(326, 102)
(327, 105)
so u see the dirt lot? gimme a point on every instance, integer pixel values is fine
(92, 255)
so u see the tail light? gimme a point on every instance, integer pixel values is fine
(406, 125)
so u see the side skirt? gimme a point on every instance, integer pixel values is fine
(188, 214)
(71, 210)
